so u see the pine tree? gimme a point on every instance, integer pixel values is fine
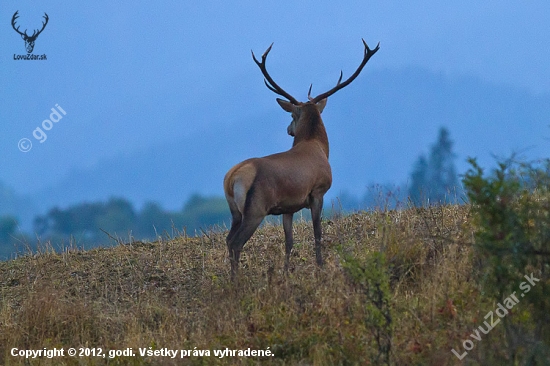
(434, 180)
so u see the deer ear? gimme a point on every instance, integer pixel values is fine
(287, 106)
(321, 105)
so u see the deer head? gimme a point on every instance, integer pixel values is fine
(29, 40)
(295, 107)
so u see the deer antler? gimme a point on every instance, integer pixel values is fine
(368, 54)
(24, 34)
(35, 34)
(13, 20)
(272, 85)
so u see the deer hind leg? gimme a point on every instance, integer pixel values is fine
(316, 208)
(236, 219)
(287, 225)
(237, 239)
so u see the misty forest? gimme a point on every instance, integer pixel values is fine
(89, 224)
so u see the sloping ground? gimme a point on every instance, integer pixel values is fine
(176, 294)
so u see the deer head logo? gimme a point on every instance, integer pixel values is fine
(29, 40)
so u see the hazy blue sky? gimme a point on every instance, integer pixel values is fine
(139, 75)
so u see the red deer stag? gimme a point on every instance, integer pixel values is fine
(286, 182)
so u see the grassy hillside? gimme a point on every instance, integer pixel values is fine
(176, 294)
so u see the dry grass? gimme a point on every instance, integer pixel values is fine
(176, 294)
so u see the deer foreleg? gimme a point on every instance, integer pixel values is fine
(287, 225)
(316, 208)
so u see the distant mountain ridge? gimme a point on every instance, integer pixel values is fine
(377, 127)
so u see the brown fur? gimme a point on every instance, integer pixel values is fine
(282, 183)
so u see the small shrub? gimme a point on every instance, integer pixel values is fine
(372, 279)
(511, 210)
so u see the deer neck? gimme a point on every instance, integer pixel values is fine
(312, 129)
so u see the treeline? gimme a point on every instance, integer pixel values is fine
(92, 224)
(433, 181)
